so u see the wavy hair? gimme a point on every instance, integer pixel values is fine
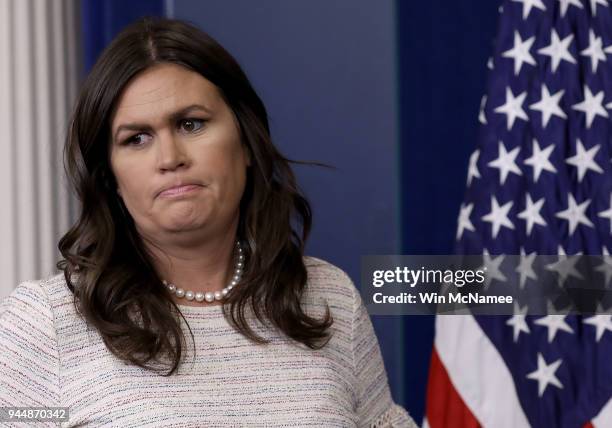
(105, 264)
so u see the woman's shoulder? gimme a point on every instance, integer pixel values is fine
(49, 293)
(330, 283)
(28, 316)
(322, 272)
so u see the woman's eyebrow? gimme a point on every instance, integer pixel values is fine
(171, 118)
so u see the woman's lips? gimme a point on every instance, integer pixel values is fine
(179, 190)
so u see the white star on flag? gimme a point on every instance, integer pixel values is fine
(566, 3)
(564, 266)
(473, 167)
(528, 4)
(591, 105)
(545, 374)
(525, 268)
(584, 160)
(554, 323)
(531, 213)
(549, 105)
(574, 213)
(558, 50)
(491, 266)
(520, 52)
(605, 267)
(498, 216)
(609, 105)
(607, 213)
(481, 113)
(517, 321)
(594, 50)
(602, 323)
(464, 220)
(594, 4)
(506, 162)
(539, 160)
(513, 107)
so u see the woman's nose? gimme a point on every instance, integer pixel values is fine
(171, 153)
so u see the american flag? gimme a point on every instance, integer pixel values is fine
(539, 182)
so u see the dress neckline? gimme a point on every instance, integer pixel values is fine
(201, 309)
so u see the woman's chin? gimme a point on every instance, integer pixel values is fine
(185, 216)
(178, 224)
(185, 226)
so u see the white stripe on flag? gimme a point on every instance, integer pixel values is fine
(425, 424)
(604, 418)
(478, 372)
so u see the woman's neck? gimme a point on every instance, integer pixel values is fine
(208, 267)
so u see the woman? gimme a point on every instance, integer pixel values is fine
(190, 221)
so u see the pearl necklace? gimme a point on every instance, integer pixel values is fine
(210, 296)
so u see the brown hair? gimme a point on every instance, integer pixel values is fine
(115, 276)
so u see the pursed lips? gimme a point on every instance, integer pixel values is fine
(176, 187)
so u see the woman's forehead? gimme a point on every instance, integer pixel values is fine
(162, 90)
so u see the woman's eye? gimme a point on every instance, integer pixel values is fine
(191, 125)
(135, 140)
(188, 125)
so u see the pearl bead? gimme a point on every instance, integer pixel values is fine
(211, 296)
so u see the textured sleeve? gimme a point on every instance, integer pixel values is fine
(29, 356)
(375, 406)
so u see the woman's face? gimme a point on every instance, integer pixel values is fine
(171, 127)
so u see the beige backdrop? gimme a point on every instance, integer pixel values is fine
(39, 73)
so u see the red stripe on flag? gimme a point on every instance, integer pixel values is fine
(445, 408)
(588, 425)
